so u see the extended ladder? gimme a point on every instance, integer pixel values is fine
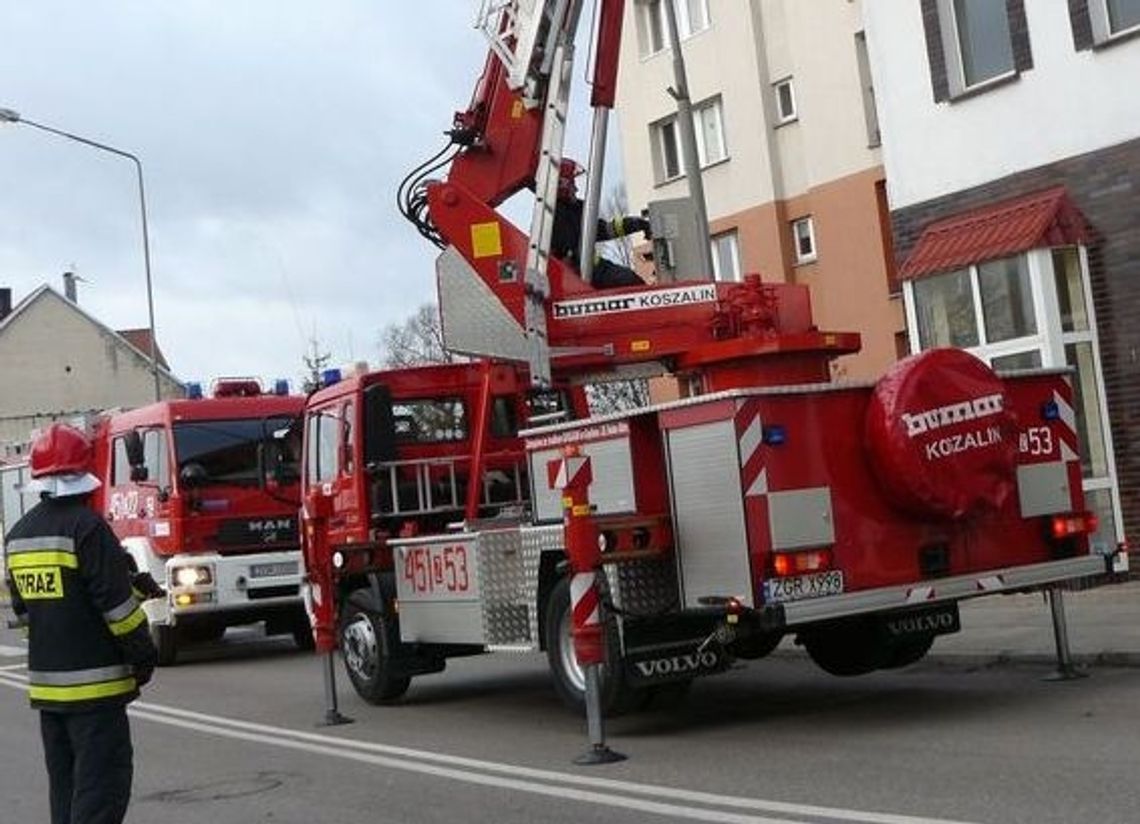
(534, 39)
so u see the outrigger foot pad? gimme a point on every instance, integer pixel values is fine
(334, 719)
(1066, 674)
(599, 755)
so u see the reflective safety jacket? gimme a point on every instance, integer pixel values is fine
(87, 634)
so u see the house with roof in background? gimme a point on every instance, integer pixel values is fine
(60, 363)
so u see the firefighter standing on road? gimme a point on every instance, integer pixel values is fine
(89, 649)
(567, 232)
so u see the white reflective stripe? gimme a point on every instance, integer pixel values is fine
(1066, 412)
(121, 611)
(54, 543)
(993, 582)
(750, 440)
(920, 594)
(72, 678)
(1067, 453)
(760, 485)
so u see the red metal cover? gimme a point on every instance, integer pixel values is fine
(941, 435)
(1047, 218)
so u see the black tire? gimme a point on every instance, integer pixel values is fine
(845, 649)
(303, 634)
(617, 696)
(166, 642)
(910, 651)
(755, 646)
(368, 640)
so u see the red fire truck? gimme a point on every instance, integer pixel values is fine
(768, 502)
(204, 492)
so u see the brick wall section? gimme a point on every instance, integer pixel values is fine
(935, 52)
(1019, 35)
(1082, 24)
(1105, 185)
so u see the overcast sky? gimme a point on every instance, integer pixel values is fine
(273, 135)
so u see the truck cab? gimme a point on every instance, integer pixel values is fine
(203, 493)
(400, 453)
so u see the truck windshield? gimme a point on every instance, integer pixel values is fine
(228, 451)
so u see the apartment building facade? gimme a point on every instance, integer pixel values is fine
(789, 151)
(1011, 142)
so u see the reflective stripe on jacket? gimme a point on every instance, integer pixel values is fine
(86, 629)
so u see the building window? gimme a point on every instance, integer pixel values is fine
(785, 100)
(726, 256)
(803, 234)
(708, 124)
(653, 26)
(980, 31)
(971, 44)
(1121, 15)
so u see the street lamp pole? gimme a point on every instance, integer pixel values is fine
(10, 116)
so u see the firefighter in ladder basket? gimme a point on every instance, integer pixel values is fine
(89, 649)
(567, 232)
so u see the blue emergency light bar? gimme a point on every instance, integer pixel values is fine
(281, 387)
(1050, 411)
(330, 376)
(194, 391)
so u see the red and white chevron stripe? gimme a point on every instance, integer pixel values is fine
(1067, 431)
(749, 437)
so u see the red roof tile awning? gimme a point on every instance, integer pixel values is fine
(1044, 219)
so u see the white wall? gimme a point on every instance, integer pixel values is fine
(1069, 103)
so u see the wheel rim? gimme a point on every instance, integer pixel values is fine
(358, 642)
(575, 675)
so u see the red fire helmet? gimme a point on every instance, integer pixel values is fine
(61, 450)
(568, 171)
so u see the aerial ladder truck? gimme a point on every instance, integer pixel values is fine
(768, 502)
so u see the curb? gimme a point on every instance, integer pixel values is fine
(998, 658)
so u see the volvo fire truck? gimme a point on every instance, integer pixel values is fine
(768, 502)
(203, 492)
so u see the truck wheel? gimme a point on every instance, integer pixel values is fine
(755, 646)
(905, 653)
(367, 640)
(303, 634)
(617, 696)
(166, 642)
(848, 648)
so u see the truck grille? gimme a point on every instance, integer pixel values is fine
(273, 592)
(258, 532)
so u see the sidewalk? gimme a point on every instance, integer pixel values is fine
(1104, 628)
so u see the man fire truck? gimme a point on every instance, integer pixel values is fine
(768, 502)
(203, 492)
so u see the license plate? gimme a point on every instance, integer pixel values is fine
(815, 585)
(273, 570)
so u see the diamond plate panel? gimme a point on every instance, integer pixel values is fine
(502, 575)
(473, 319)
(644, 587)
(535, 541)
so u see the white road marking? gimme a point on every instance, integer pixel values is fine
(602, 791)
(12, 652)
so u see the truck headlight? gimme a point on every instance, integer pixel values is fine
(191, 576)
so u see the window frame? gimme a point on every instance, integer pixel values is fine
(733, 236)
(781, 117)
(654, 12)
(660, 143)
(1100, 15)
(954, 49)
(812, 256)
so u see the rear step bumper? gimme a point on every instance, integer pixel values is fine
(956, 588)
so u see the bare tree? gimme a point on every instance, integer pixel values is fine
(417, 340)
(315, 363)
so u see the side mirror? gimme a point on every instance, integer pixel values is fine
(193, 475)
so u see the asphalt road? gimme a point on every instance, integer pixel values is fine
(229, 736)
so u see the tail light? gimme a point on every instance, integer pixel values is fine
(799, 563)
(1075, 523)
